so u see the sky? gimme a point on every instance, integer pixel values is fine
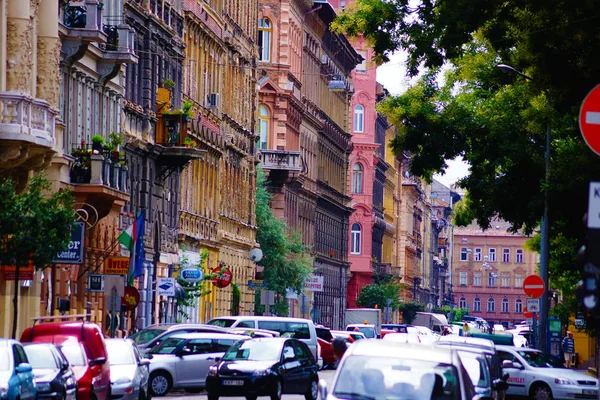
(392, 75)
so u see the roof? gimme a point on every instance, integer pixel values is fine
(498, 227)
(209, 335)
(262, 318)
(381, 348)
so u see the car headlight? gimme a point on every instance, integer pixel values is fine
(562, 381)
(43, 386)
(122, 380)
(261, 372)
(3, 389)
(212, 370)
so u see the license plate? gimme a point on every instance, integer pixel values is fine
(590, 392)
(233, 382)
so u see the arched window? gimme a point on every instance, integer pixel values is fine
(477, 304)
(504, 305)
(462, 303)
(264, 122)
(264, 39)
(357, 179)
(355, 239)
(359, 118)
(518, 306)
(491, 305)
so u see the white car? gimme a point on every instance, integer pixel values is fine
(518, 338)
(402, 338)
(539, 376)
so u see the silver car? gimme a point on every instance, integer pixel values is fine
(129, 373)
(153, 335)
(381, 370)
(182, 360)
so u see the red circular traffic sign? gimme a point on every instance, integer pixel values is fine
(589, 119)
(526, 313)
(533, 286)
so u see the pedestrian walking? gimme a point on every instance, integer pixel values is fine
(339, 347)
(568, 347)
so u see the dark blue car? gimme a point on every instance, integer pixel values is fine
(16, 376)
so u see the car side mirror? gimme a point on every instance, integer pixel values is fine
(65, 366)
(518, 365)
(23, 368)
(507, 364)
(98, 361)
(217, 359)
(500, 385)
(144, 361)
(323, 389)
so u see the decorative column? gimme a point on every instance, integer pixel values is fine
(19, 52)
(48, 53)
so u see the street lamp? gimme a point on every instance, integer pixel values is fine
(544, 246)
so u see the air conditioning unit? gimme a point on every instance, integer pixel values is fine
(213, 100)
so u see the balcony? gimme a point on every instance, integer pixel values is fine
(443, 242)
(100, 180)
(197, 226)
(382, 268)
(119, 46)
(83, 20)
(175, 149)
(26, 130)
(282, 160)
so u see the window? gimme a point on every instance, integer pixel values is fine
(519, 256)
(264, 121)
(463, 279)
(222, 345)
(264, 39)
(492, 279)
(464, 255)
(491, 305)
(506, 279)
(199, 346)
(462, 303)
(506, 255)
(296, 330)
(477, 279)
(362, 67)
(357, 179)
(477, 304)
(355, 240)
(492, 254)
(518, 280)
(477, 254)
(518, 306)
(359, 118)
(505, 305)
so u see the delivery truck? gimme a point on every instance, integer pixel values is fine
(365, 320)
(433, 321)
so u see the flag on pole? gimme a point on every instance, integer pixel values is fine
(133, 239)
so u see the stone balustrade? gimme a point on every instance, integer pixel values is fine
(23, 118)
(281, 160)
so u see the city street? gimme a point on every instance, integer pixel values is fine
(180, 395)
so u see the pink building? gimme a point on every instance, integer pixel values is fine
(488, 272)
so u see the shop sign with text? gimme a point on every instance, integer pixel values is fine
(75, 251)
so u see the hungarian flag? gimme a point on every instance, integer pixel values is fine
(133, 239)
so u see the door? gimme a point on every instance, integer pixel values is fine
(307, 366)
(25, 378)
(193, 361)
(516, 380)
(292, 369)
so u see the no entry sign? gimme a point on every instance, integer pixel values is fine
(533, 286)
(589, 119)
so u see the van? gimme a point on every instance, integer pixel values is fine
(297, 328)
(83, 344)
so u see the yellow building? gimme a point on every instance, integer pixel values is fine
(218, 191)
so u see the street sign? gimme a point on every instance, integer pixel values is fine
(314, 283)
(533, 286)
(165, 287)
(255, 285)
(527, 314)
(593, 214)
(96, 283)
(533, 305)
(589, 119)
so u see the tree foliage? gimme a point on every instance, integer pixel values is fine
(286, 258)
(377, 294)
(34, 227)
(409, 311)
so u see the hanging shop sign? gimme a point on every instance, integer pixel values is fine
(130, 299)
(116, 266)
(191, 275)
(222, 277)
(74, 253)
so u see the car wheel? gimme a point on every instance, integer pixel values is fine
(541, 392)
(213, 396)
(313, 392)
(160, 383)
(251, 397)
(276, 395)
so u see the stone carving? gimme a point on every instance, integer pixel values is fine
(19, 55)
(48, 72)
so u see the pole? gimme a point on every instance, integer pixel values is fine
(544, 246)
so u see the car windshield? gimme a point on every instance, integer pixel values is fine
(368, 377)
(119, 353)
(40, 357)
(540, 360)
(146, 335)
(166, 346)
(476, 368)
(368, 331)
(74, 355)
(4, 359)
(224, 323)
(324, 334)
(254, 351)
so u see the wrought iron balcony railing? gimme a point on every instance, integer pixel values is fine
(98, 169)
(83, 15)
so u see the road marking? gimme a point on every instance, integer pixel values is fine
(592, 117)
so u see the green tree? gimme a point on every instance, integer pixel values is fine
(34, 227)
(377, 295)
(286, 259)
(409, 311)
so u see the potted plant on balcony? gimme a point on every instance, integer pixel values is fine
(168, 84)
(97, 142)
(114, 144)
(81, 171)
(187, 112)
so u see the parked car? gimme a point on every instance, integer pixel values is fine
(400, 328)
(182, 361)
(402, 338)
(297, 328)
(539, 376)
(83, 345)
(325, 339)
(369, 330)
(354, 335)
(153, 335)
(264, 367)
(16, 375)
(379, 369)
(129, 372)
(54, 377)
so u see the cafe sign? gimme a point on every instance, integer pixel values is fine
(74, 253)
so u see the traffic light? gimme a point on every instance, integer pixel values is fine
(588, 289)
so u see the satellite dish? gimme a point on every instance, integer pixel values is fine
(255, 254)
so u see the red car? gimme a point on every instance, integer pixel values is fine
(83, 345)
(325, 339)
